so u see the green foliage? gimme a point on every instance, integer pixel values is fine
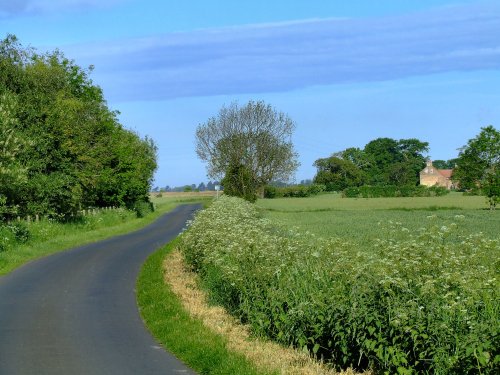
(478, 164)
(61, 148)
(12, 234)
(142, 208)
(491, 186)
(481, 154)
(394, 191)
(239, 182)
(418, 302)
(295, 191)
(383, 161)
(336, 174)
(444, 164)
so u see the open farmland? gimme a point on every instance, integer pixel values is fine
(418, 293)
(363, 219)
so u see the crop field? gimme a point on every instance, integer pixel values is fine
(362, 220)
(410, 288)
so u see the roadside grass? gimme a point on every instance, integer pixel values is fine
(196, 345)
(48, 236)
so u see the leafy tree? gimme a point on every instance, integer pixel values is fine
(12, 172)
(411, 161)
(255, 139)
(444, 164)
(78, 155)
(478, 163)
(357, 156)
(385, 161)
(337, 174)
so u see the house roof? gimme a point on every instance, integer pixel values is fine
(446, 172)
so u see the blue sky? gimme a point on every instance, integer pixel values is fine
(347, 72)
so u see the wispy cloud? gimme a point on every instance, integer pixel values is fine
(288, 56)
(15, 8)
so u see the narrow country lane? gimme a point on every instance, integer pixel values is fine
(75, 312)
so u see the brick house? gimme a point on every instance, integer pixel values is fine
(431, 176)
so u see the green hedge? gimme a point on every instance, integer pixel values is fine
(394, 191)
(297, 191)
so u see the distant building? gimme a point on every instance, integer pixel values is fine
(431, 176)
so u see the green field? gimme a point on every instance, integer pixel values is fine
(361, 219)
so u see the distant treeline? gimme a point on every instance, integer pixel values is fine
(382, 162)
(61, 148)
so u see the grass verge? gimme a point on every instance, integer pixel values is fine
(197, 346)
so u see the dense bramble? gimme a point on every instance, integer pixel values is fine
(425, 302)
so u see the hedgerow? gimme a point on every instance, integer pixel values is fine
(296, 191)
(394, 191)
(424, 302)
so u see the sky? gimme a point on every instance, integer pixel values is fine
(346, 72)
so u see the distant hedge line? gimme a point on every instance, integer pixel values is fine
(394, 191)
(298, 191)
(302, 191)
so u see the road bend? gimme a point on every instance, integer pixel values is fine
(75, 312)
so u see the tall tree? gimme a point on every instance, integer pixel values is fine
(12, 171)
(254, 140)
(79, 154)
(478, 163)
(382, 154)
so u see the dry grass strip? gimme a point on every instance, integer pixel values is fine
(265, 355)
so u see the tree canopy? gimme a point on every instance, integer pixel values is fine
(61, 148)
(383, 161)
(478, 164)
(249, 146)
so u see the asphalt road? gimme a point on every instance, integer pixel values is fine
(75, 312)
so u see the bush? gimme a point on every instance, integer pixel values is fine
(424, 302)
(270, 192)
(12, 233)
(143, 208)
(20, 231)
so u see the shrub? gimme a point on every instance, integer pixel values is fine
(424, 302)
(143, 208)
(20, 231)
(270, 192)
(12, 233)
